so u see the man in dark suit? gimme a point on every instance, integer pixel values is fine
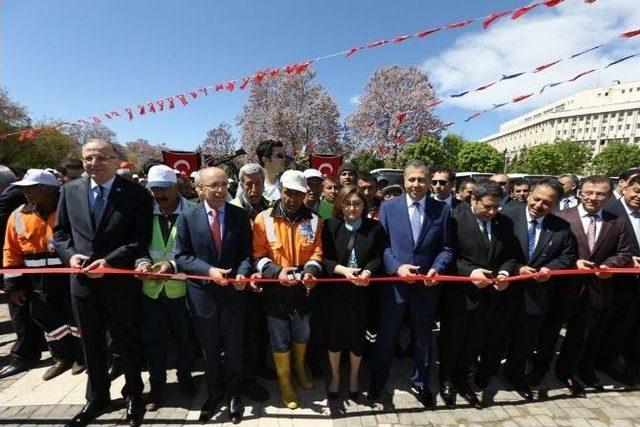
(443, 184)
(214, 239)
(484, 251)
(602, 241)
(505, 183)
(544, 243)
(105, 221)
(420, 243)
(621, 329)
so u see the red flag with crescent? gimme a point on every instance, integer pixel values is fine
(327, 164)
(184, 162)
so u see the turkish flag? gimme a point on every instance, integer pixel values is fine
(327, 164)
(183, 161)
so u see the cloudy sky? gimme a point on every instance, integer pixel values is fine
(77, 58)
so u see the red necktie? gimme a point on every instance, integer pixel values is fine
(215, 230)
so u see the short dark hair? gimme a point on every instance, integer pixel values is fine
(551, 183)
(516, 182)
(597, 179)
(149, 164)
(486, 187)
(451, 175)
(628, 174)
(70, 163)
(366, 176)
(463, 183)
(635, 180)
(265, 149)
(344, 194)
(417, 164)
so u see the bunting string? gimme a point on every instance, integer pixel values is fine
(163, 104)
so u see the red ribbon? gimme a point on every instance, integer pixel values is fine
(438, 278)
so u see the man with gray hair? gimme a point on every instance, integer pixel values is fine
(569, 183)
(250, 198)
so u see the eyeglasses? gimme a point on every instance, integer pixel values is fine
(439, 182)
(352, 205)
(98, 158)
(214, 186)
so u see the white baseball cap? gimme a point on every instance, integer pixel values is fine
(194, 174)
(313, 173)
(161, 176)
(294, 180)
(38, 177)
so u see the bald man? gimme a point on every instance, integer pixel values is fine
(214, 240)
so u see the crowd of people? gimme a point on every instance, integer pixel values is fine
(264, 312)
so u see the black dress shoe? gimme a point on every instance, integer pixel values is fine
(135, 411)
(574, 386)
(482, 380)
(374, 393)
(19, 365)
(210, 408)
(448, 393)
(236, 409)
(535, 377)
(254, 391)
(90, 411)
(591, 380)
(467, 393)
(520, 386)
(332, 395)
(425, 397)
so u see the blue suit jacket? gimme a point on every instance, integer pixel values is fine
(196, 254)
(434, 248)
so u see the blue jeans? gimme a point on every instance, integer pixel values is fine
(159, 316)
(282, 332)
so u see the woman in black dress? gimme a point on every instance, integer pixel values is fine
(352, 247)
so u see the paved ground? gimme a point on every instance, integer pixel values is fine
(27, 400)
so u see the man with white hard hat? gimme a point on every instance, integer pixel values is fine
(163, 301)
(28, 244)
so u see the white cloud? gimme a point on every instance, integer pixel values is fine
(541, 36)
(354, 100)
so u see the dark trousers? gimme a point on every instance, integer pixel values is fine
(117, 309)
(422, 303)
(580, 346)
(53, 314)
(223, 331)
(620, 325)
(502, 338)
(160, 317)
(256, 337)
(560, 307)
(462, 335)
(29, 337)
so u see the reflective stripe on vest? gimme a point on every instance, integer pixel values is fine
(270, 226)
(42, 262)
(18, 223)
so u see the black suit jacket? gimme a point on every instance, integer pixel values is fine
(612, 248)
(472, 252)
(369, 244)
(122, 236)
(196, 254)
(628, 281)
(556, 250)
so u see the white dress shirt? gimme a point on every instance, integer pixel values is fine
(411, 207)
(106, 189)
(220, 213)
(572, 202)
(634, 217)
(538, 227)
(586, 219)
(448, 200)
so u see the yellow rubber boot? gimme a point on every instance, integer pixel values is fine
(299, 351)
(283, 368)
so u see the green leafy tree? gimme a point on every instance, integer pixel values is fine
(452, 144)
(428, 149)
(616, 157)
(479, 157)
(47, 150)
(554, 159)
(367, 160)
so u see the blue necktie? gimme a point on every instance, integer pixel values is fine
(531, 236)
(98, 206)
(415, 221)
